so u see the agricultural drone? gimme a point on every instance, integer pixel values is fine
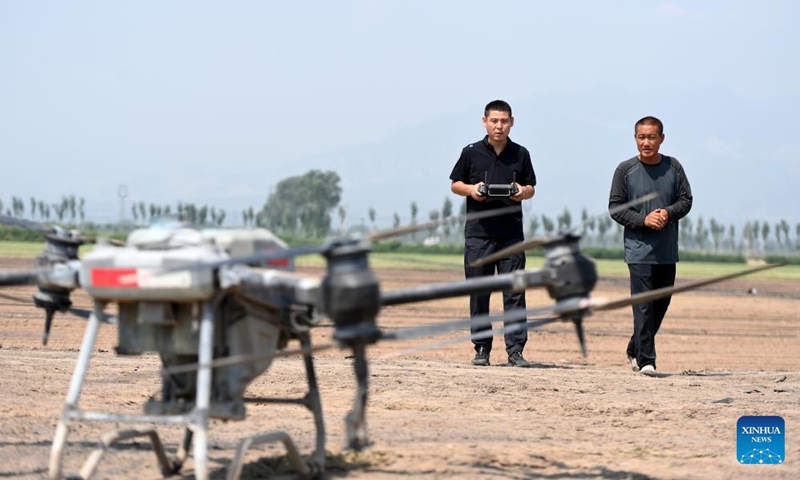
(219, 305)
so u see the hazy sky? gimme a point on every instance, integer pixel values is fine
(214, 102)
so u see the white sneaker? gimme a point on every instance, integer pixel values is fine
(648, 370)
(634, 364)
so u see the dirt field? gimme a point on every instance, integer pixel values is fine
(433, 415)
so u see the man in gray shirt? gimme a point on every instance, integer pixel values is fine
(651, 232)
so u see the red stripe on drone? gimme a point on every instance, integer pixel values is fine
(278, 262)
(114, 277)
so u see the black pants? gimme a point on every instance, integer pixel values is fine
(647, 317)
(476, 248)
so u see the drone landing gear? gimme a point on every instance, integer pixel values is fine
(355, 420)
(196, 421)
(315, 466)
(168, 466)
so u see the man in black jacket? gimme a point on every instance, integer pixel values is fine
(496, 160)
(651, 232)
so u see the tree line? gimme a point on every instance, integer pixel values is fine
(72, 209)
(306, 206)
(202, 215)
(708, 235)
(69, 208)
(303, 206)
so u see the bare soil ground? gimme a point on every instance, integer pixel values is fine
(431, 414)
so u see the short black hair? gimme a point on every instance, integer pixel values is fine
(650, 121)
(497, 106)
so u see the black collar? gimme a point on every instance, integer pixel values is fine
(489, 146)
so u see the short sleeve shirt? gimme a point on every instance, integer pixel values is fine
(479, 163)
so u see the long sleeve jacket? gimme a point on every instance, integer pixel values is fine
(634, 179)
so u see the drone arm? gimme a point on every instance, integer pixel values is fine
(19, 278)
(517, 280)
(269, 278)
(64, 276)
(301, 290)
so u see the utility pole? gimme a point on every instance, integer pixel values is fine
(122, 193)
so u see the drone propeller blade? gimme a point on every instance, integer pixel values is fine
(394, 232)
(49, 315)
(572, 312)
(447, 327)
(516, 248)
(22, 277)
(29, 301)
(618, 208)
(405, 334)
(666, 291)
(78, 312)
(85, 314)
(240, 359)
(540, 241)
(26, 224)
(475, 336)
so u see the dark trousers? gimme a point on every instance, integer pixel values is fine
(647, 316)
(477, 248)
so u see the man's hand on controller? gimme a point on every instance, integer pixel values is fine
(475, 194)
(520, 196)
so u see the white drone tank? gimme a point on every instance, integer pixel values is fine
(127, 273)
(135, 271)
(246, 242)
